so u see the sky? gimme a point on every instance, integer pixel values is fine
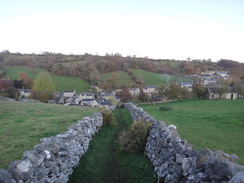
(158, 29)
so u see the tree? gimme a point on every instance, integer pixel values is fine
(10, 92)
(239, 89)
(44, 82)
(125, 95)
(43, 87)
(222, 89)
(174, 91)
(113, 81)
(27, 81)
(200, 91)
(18, 83)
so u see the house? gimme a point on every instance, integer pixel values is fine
(59, 98)
(24, 93)
(86, 96)
(95, 87)
(134, 91)
(186, 85)
(107, 103)
(223, 74)
(106, 96)
(89, 102)
(69, 93)
(209, 81)
(212, 94)
(149, 90)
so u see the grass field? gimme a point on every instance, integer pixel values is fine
(13, 72)
(61, 82)
(151, 78)
(24, 124)
(104, 162)
(126, 81)
(213, 124)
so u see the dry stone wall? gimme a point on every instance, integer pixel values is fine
(54, 158)
(175, 160)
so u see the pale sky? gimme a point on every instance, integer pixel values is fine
(165, 29)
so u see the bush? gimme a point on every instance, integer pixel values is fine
(166, 108)
(108, 116)
(134, 139)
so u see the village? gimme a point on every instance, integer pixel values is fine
(96, 97)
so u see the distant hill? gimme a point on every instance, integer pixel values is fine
(97, 70)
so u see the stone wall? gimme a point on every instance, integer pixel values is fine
(175, 160)
(54, 158)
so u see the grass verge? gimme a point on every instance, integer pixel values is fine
(104, 162)
(213, 124)
(24, 124)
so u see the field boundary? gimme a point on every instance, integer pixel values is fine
(54, 158)
(175, 160)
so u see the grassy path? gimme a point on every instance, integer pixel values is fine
(104, 162)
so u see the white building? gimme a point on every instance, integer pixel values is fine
(69, 93)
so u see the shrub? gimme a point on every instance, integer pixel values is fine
(166, 108)
(134, 139)
(108, 116)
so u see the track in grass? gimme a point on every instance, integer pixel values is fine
(104, 162)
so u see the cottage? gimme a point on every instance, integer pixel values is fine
(209, 81)
(69, 93)
(134, 91)
(186, 85)
(59, 98)
(227, 95)
(107, 103)
(89, 102)
(24, 93)
(106, 96)
(86, 96)
(149, 90)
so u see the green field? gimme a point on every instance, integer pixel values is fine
(61, 82)
(13, 72)
(24, 124)
(213, 124)
(151, 78)
(126, 81)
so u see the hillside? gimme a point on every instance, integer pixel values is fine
(61, 82)
(96, 70)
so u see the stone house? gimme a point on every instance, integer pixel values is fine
(106, 96)
(228, 95)
(149, 90)
(134, 91)
(24, 93)
(69, 93)
(186, 85)
(107, 103)
(89, 102)
(86, 96)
